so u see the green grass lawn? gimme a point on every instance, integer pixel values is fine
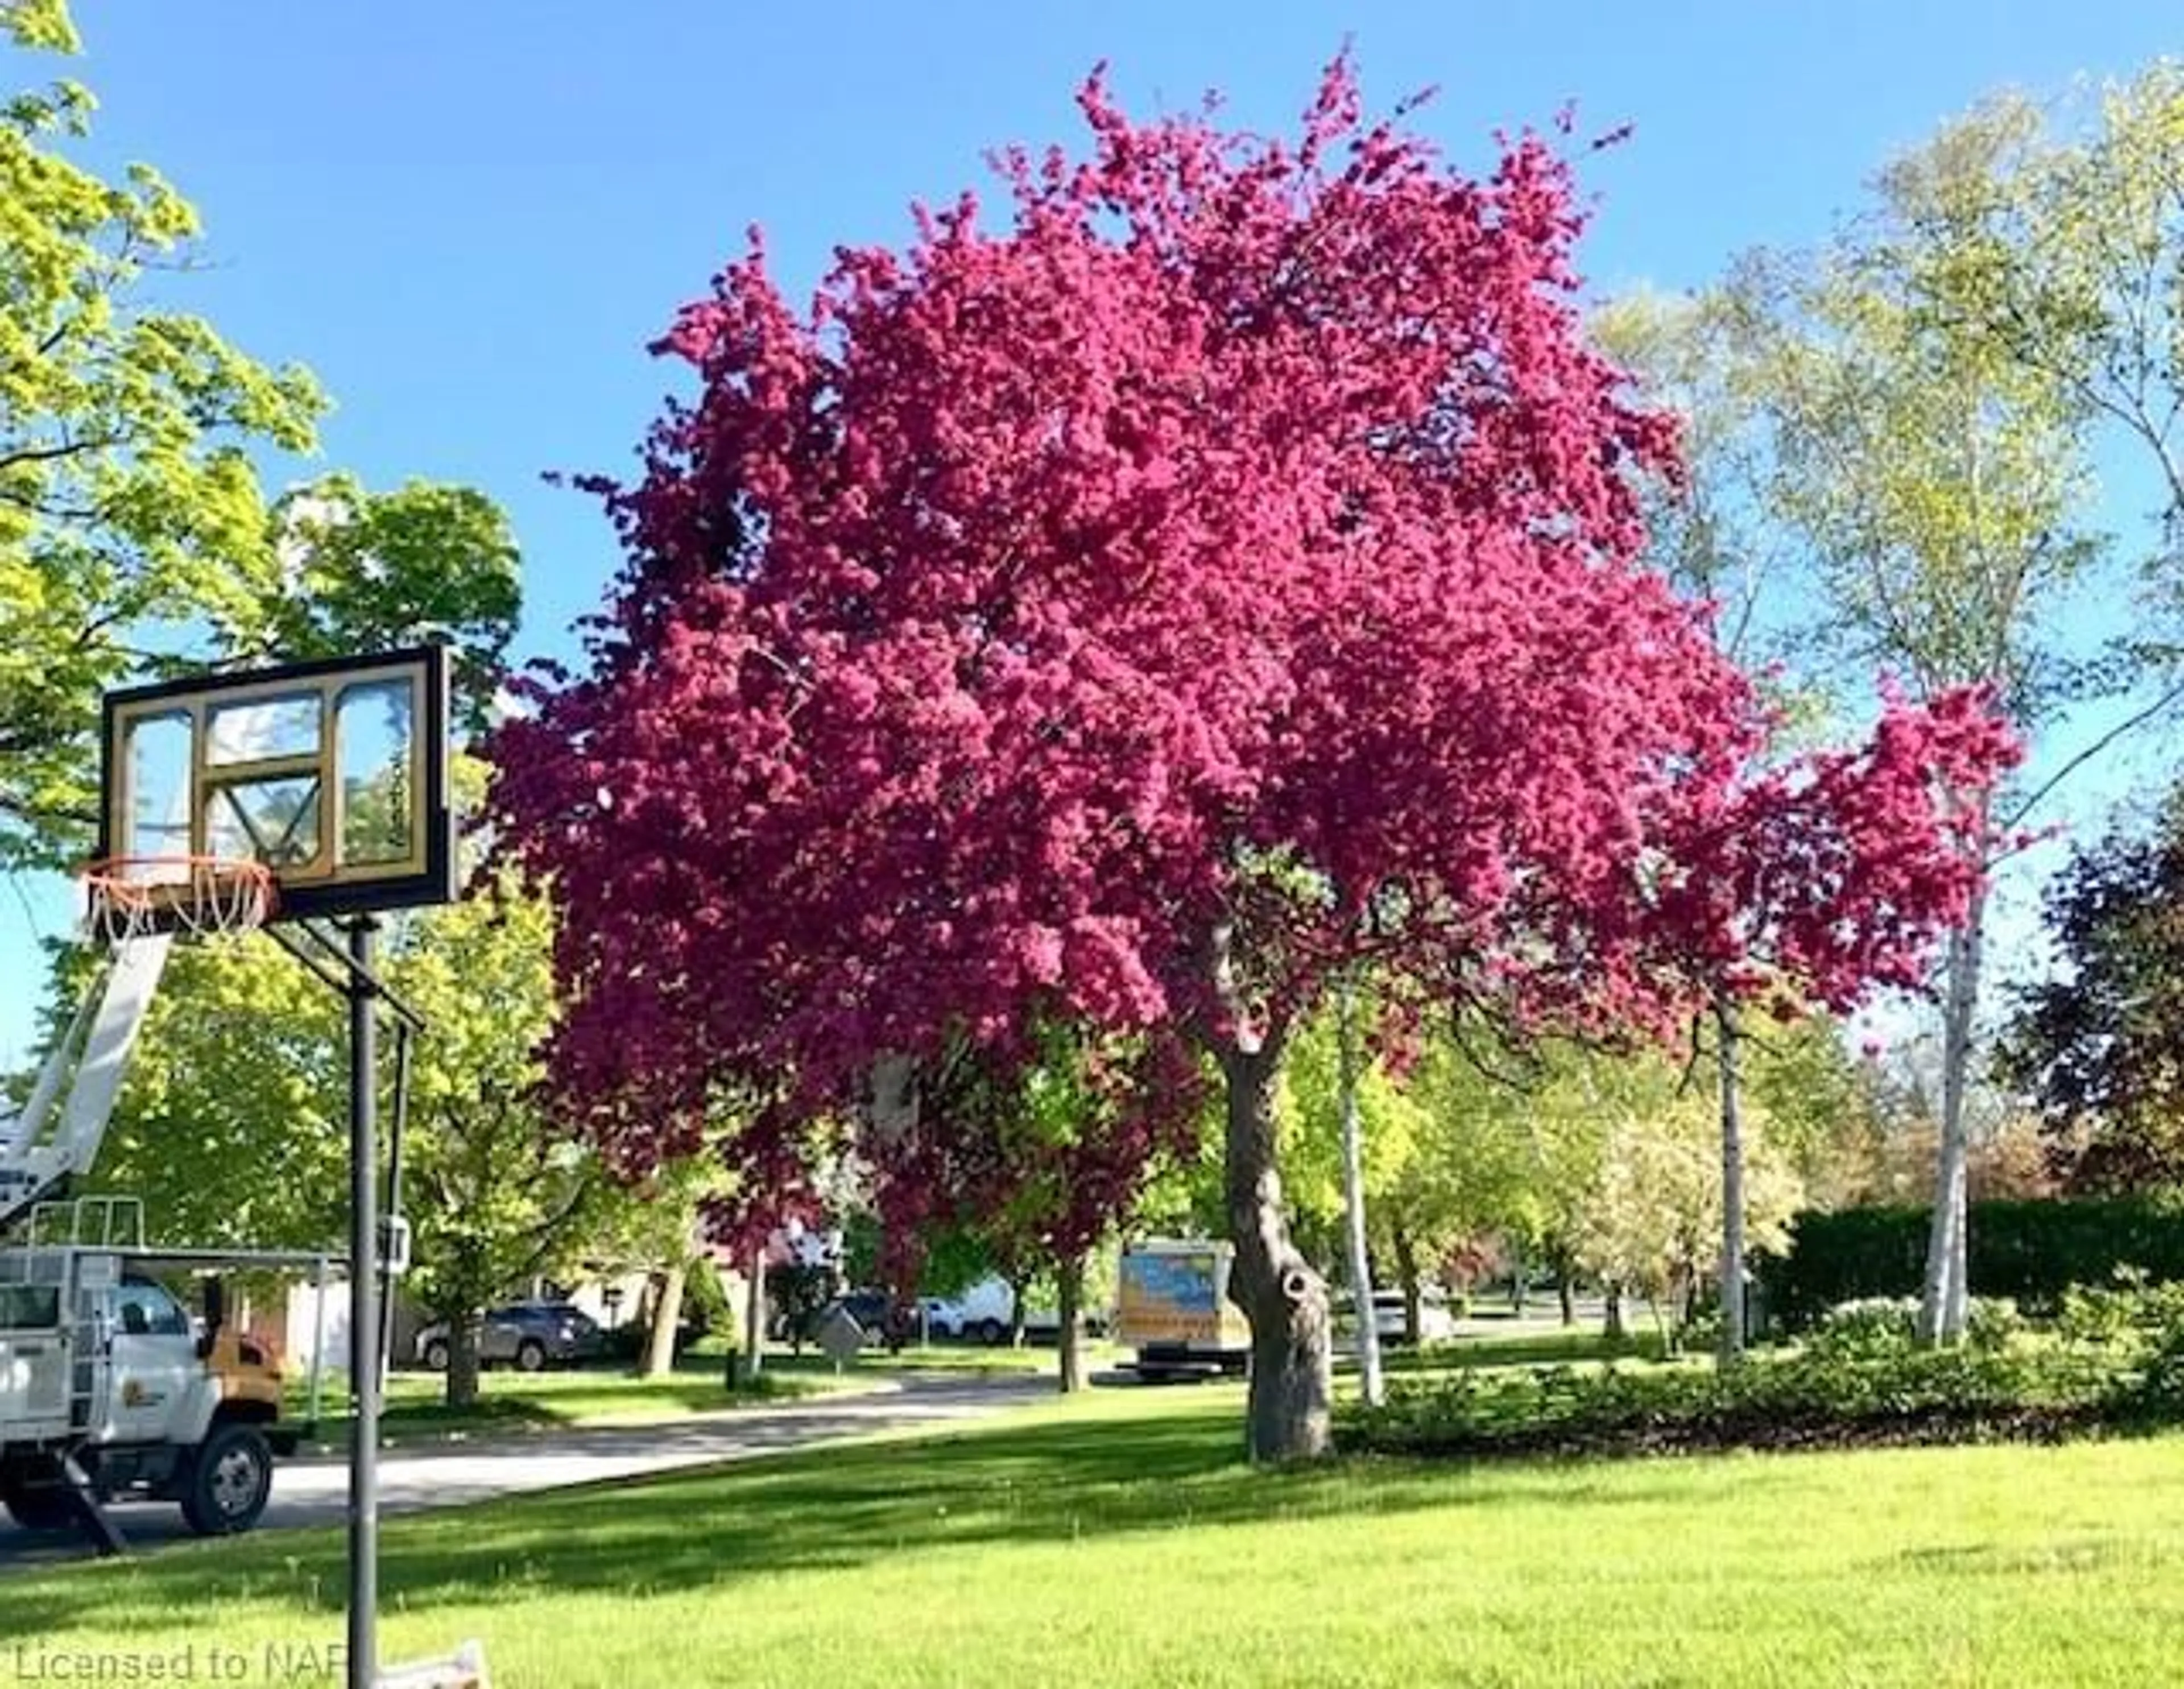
(1117, 1540)
(516, 1403)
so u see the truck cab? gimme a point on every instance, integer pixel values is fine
(110, 1389)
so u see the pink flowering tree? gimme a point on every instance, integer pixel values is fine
(1214, 570)
(1821, 879)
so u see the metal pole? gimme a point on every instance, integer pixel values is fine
(393, 1197)
(363, 1312)
(317, 1343)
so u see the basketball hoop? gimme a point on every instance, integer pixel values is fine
(129, 896)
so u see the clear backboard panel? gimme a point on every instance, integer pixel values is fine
(332, 774)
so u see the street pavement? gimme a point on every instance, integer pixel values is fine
(314, 1491)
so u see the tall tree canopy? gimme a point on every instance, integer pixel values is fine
(230, 1127)
(135, 539)
(1218, 569)
(129, 505)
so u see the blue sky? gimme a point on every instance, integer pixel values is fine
(468, 218)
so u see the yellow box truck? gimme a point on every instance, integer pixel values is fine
(1171, 1308)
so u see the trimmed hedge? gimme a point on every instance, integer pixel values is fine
(1814, 1400)
(2113, 1362)
(2030, 1253)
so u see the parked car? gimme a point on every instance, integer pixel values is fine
(876, 1314)
(986, 1312)
(527, 1335)
(1436, 1321)
(943, 1319)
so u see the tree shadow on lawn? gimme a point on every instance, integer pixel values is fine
(416, 1427)
(1055, 1481)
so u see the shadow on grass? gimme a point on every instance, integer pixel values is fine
(514, 1404)
(1061, 1479)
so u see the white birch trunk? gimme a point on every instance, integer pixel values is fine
(1942, 1306)
(1732, 1188)
(1370, 1380)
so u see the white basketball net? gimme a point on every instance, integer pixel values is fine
(131, 896)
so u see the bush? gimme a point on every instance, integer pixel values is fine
(707, 1312)
(1869, 1328)
(1860, 1381)
(2029, 1253)
(1991, 1322)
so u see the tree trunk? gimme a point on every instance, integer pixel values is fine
(1565, 1292)
(1370, 1384)
(1611, 1326)
(1942, 1306)
(667, 1322)
(1406, 1270)
(754, 1314)
(1069, 1341)
(1732, 1189)
(1286, 1302)
(462, 1386)
(1016, 1311)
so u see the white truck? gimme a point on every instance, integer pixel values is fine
(109, 1388)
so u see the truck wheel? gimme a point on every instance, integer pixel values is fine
(990, 1332)
(38, 1507)
(530, 1355)
(436, 1356)
(230, 1481)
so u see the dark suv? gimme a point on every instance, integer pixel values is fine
(875, 1311)
(527, 1336)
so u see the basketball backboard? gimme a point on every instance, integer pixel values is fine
(332, 774)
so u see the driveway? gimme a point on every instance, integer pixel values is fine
(314, 1491)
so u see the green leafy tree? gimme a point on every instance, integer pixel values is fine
(135, 540)
(1308, 1111)
(656, 1225)
(1823, 1106)
(231, 1127)
(1040, 1159)
(1651, 1217)
(1936, 485)
(1448, 1166)
(232, 1124)
(500, 1194)
(362, 570)
(2059, 236)
(131, 520)
(1486, 1170)
(1710, 525)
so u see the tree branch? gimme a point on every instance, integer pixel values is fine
(2017, 817)
(26, 454)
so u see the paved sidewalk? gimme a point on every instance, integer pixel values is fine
(313, 1491)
